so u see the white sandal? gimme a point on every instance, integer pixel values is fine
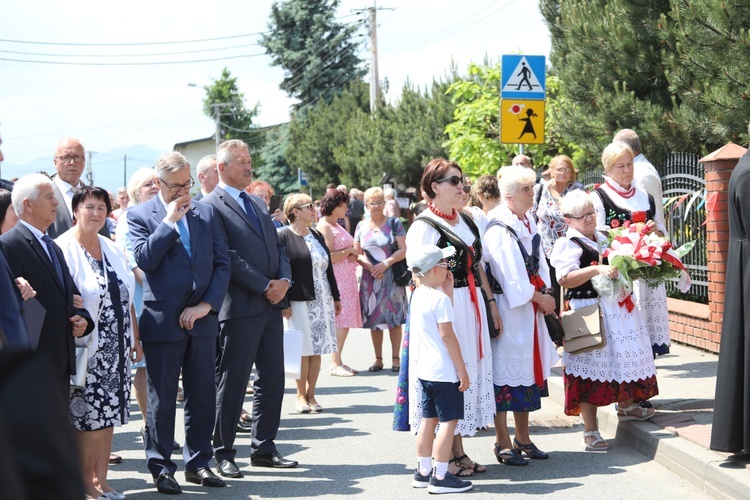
(634, 412)
(598, 439)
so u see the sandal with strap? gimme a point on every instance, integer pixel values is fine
(461, 470)
(478, 468)
(530, 449)
(376, 367)
(395, 368)
(509, 456)
(598, 444)
(635, 412)
(341, 371)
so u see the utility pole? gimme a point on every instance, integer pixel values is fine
(89, 169)
(374, 83)
(125, 170)
(217, 118)
(372, 33)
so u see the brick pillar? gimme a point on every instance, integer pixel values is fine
(718, 167)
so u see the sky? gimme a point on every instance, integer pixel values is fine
(145, 100)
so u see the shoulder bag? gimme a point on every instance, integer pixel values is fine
(401, 273)
(584, 327)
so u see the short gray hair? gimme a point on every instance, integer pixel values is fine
(170, 162)
(630, 138)
(514, 178)
(574, 202)
(224, 153)
(205, 163)
(27, 188)
(389, 193)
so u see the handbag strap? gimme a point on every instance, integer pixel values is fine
(598, 249)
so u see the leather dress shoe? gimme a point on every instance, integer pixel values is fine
(205, 477)
(167, 484)
(228, 468)
(243, 426)
(272, 460)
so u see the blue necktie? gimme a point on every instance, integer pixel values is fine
(250, 211)
(53, 257)
(184, 236)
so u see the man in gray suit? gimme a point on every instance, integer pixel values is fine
(208, 176)
(70, 162)
(250, 318)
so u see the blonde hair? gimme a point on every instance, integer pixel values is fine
(562, 159)
(374, 192)
(612, 152)
(295, 200)
(137, 180)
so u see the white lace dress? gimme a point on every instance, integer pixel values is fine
(315, 318)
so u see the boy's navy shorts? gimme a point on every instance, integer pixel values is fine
(442, 400)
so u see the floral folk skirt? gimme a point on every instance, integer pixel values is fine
(583, 390)
(522, 398)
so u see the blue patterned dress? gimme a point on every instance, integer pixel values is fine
(105, 400)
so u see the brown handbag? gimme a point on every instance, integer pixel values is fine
(584, 327)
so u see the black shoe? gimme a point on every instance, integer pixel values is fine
(175, 445)
(530, 449)
(228, 468)
(167, 484)
(509, 456)
(272, 460)
(646, 404)
(243, 426)
(205, 477)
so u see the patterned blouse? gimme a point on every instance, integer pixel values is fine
(551, 223)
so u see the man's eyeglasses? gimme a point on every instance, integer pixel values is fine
(67, 158)
(453, 179)
(587, 216)
(175, 188)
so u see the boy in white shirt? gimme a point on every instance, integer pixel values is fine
(441, 370)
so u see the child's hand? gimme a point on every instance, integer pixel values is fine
(463, 379)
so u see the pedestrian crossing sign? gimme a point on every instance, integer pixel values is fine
(523, 77)
(521, 121)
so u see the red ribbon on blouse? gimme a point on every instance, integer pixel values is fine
(474, 299)
(538, 283)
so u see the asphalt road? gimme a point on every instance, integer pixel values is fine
(350, 450)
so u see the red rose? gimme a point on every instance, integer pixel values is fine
(614, 223)
(638, 217)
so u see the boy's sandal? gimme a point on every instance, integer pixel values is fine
(376, 366)
(635, 412)
(479, 468)
(460, 471)
(395, 367)
(598, 444)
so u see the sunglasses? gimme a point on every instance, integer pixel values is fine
(309, 205)
(453, 179)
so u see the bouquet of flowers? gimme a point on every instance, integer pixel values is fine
(640, 254)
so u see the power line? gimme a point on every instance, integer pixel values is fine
(150, 63)
(130, 55)
(130, 44)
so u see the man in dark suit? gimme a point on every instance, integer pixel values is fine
(70, 162)
(183, 256)
(208, 176)
(250, 318)
(31, 254)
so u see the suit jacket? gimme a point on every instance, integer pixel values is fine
(63, 221)
(172, 279)
(198, 197)
(12, 321)
(255, 258)
(28, 259)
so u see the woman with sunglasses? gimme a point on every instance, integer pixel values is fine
(523, 353)
(313, 296)
(442, 225)
(383, 302)
(623, 370)
(550, 220)
(618, 200)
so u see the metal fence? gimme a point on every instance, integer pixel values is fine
(684, 188)
(684, 184)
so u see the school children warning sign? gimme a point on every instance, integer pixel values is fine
(521, 121)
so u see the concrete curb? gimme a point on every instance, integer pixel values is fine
(705, 469)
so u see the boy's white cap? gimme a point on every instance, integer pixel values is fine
(425, 257)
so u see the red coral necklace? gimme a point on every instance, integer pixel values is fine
(625, 194)
(445, 216)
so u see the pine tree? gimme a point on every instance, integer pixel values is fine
(236, 121)
(274, 168)
(319, 55)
